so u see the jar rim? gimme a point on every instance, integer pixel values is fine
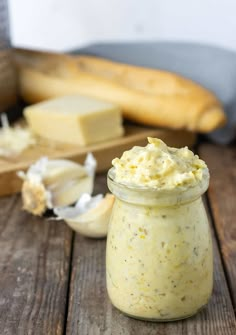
(151, 195)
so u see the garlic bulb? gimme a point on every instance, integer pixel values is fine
(54, 183)
(90, 216)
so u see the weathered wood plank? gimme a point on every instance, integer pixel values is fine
(222, 195)
(34, 268)
(90, 311)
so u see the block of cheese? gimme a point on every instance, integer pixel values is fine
(75, 120)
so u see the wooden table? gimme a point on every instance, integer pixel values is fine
(52, 281)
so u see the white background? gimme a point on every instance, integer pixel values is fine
(64, 24)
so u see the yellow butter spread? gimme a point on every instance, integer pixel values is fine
(159, 166)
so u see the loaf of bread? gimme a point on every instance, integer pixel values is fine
(146, 96)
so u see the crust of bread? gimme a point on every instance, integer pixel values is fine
(146, 96)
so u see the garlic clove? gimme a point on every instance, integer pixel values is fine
(60, 170)
(55, 183)
(68, 193)
(92, 223)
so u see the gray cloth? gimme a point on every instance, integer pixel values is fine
(212, 67)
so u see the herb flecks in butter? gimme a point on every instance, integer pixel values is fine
(159, 166)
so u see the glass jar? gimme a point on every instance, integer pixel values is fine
(159, 263)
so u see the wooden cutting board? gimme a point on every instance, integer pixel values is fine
(104, 152)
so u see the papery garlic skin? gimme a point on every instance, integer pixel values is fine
(90, 164)
(54, 183)
(90, 216)
(84, 204)
(69, 192)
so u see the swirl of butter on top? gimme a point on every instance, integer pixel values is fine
(159, 166)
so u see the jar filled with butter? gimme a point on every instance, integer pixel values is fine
(159, 263)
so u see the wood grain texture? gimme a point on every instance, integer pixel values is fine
(104, 152)
(90, 311)
(222, 194)
(34, 267)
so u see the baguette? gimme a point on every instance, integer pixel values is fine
(146, 96)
